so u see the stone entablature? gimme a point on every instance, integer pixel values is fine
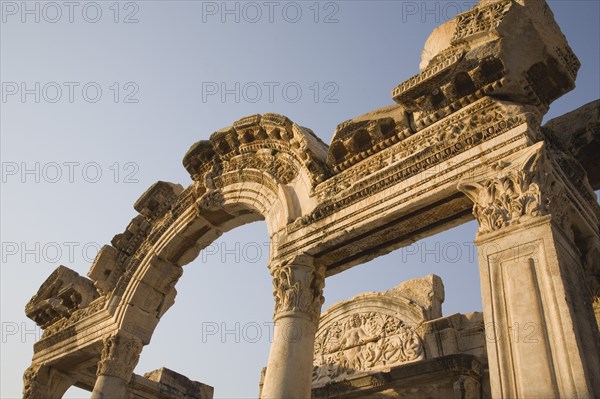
(64, 292)
(449, 377)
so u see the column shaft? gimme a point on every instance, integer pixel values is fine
(298, 287)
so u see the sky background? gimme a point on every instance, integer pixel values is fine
(125, 88)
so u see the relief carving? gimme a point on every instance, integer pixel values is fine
(418, 153)
(480, 19)
(468, 93)
(269, 161)
(361, 342)
(270, 143)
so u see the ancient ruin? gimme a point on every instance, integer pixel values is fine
(471, 119)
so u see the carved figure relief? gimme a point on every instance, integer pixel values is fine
(361, 342)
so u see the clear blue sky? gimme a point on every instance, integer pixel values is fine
(158, 75)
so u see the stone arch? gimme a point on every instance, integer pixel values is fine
(261, 168)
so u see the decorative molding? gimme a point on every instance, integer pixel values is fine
(422, 151)
(481, 19)
(60, 296)
(270, 143)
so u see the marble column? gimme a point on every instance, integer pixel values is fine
(542, 339)
(120, 355)
(298, 290)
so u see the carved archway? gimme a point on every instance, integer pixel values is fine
(261, 168)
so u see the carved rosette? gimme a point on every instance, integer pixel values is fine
(362, 342)
(120, 355)
(298, 288)
(522, 189)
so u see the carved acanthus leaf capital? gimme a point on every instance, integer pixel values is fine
(120, 355)
(298, 287)
(520, 189)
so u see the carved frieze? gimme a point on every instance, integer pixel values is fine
(270, 143)
(480, 19)
(375, 331)
(51, 333)
(468, 94)
(422, 151)
(361, 342)
(277, 165)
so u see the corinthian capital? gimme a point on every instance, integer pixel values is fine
(513, 191)
(120, 355)
(298, 287)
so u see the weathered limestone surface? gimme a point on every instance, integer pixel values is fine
(167, 384)
(43, 382)
(298, 290)
(59, 296)
(464, 140)
(578, 133)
